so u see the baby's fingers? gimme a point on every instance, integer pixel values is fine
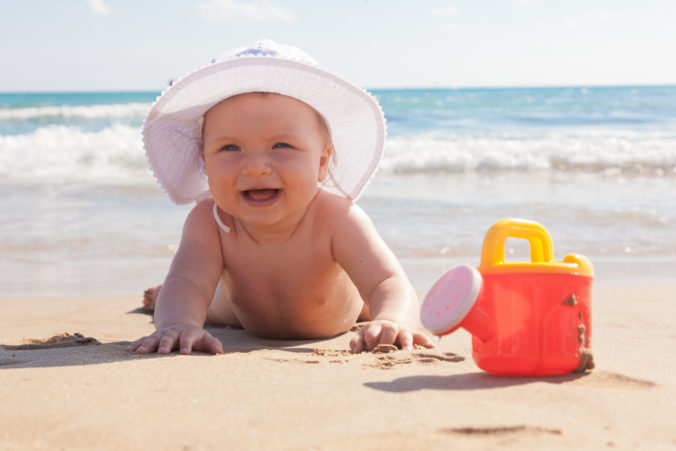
(145, 344)
(357, 344)
(207, 343)
(167, 342)
(372, 334)
(186, 341)
(422, 340)
(366, 339)
(405, 340)
(135, 345)
(388, 335)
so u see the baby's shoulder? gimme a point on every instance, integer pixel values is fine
(203, 209)
(335, 210)
(333, 205)
(206, 212)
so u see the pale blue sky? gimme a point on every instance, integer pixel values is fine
(66, 45)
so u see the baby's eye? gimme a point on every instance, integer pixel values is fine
(230, 148)
(282, 146)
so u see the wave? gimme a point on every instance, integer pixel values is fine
(111, 111)
(651, 153)
(62, 153)
(115, 153)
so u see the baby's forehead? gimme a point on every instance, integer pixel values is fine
(243, 97)
(286, 101)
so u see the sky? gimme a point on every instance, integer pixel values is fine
(112, 45)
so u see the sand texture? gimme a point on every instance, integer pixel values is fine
(67, 383)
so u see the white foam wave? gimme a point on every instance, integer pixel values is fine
(57, 153)
(114, 111)
(643, 153)
(115, 153)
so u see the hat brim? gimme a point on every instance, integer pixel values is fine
(172, 129)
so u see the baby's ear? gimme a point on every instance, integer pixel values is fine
(324, 161)
(203, 168)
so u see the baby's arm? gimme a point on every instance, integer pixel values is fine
(392, 301)
(188, 290)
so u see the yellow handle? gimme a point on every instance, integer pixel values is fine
(493, 251)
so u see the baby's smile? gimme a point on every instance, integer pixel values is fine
(261, 196)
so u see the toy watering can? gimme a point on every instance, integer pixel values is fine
(526, 318)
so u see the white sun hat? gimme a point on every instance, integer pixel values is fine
(172, 131)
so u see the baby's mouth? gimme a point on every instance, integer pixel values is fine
(262, 195)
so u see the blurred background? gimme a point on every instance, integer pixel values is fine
(559, 112)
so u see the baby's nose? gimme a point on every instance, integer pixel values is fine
(256, 166)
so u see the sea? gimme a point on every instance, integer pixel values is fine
(81, 213)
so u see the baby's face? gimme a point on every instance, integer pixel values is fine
(264, 154)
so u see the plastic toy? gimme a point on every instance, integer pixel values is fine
(526, 318)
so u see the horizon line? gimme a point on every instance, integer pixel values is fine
(370, 88)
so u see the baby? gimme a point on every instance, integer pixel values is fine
(275, 151)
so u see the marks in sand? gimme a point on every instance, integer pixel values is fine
(484, 437)
(500, 430)
(502, 435)
(389, 359)
(382, 357)
(64, 340)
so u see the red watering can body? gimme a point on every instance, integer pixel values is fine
(526, 318)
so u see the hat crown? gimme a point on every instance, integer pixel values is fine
(268, 48)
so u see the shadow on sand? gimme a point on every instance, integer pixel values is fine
(466, 381)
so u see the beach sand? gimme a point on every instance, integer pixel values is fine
(77, 393)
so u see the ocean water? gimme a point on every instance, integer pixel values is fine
(82, 214)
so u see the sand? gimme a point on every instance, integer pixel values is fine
(86, 392)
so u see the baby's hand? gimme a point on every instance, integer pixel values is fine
(186, 337)
(384, 332)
